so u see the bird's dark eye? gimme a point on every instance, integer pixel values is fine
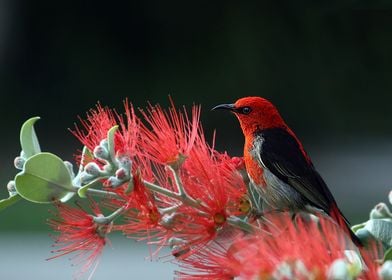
(246, 110)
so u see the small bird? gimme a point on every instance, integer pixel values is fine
(277, 164)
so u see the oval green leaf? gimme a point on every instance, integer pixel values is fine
(45, 179)
(381, 229)
(4, 203)
(388, 255)
(28, 138)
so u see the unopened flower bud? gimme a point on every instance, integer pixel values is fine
(355, 262)
(104, 143)
(339, 270)
(113, 182)
(385, 271)
(291, 269)
(101, 152)
(168, 220)
(22, 154)
(93, 169)
(121, 174)
(380, 211)
(19, 162)
(176, 241)
(390, 197)
(283, 270)
(86, 178)
(125, 162)
(178, 247)
(11, 188)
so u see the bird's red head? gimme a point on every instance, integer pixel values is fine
(254, 113)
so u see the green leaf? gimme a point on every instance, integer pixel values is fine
(110, 138)
(381, 229)
(4, 203)
(355, 228)
(365, 236)
(388, 255)
(45, 179)
(28, 138)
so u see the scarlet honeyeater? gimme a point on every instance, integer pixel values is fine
(277, 164)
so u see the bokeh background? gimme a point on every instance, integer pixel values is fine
(325, 64)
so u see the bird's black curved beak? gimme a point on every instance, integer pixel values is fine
(229, 107)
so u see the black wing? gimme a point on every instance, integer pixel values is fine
(282, 155)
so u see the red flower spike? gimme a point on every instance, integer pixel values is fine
(211, 262)
(101, 120)
(212, 178)
(170, 134)
(143, 217)
(195, 230)
(315, 245)
(95, 128)
(128, 139)
(79, 234)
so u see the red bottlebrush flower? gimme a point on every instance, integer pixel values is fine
(212, 178)
(143, 216)
(195, 230)
(95, 127)
(170, 134)
(101, 120)
(128, 137)
(79, 234)
(212, 181)
(213, 261)
(304, 249)
(142, 219)
(316, 248)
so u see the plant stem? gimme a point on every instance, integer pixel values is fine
(156, 188)
(177, 179)
(169, 210)
(105, 194)
(108, 219)
(181, 190)
(184, 198)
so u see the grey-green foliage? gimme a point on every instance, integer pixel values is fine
(378, 227)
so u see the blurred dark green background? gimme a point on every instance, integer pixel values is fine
(325, 64)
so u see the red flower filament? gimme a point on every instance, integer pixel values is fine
(79, 234)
